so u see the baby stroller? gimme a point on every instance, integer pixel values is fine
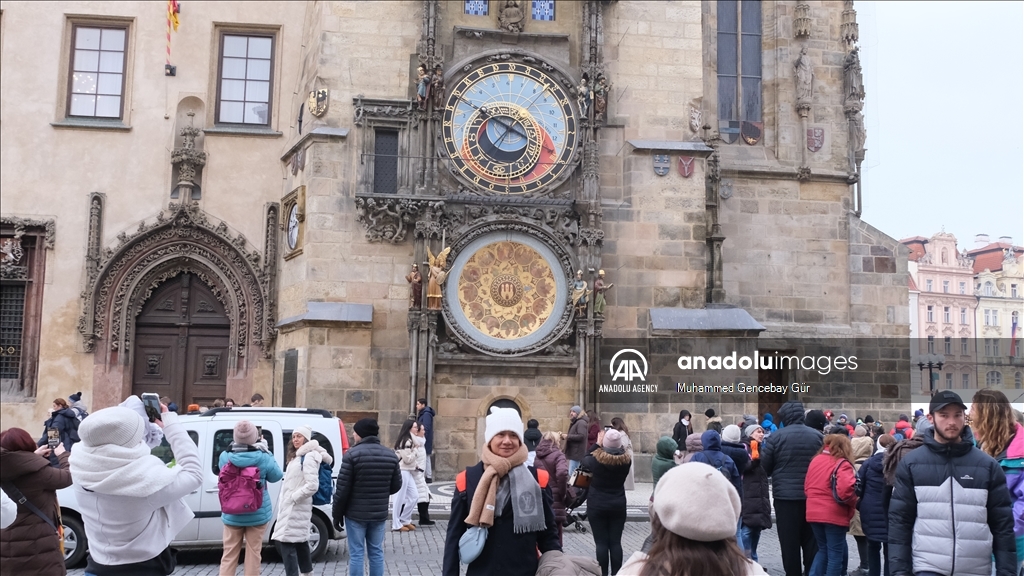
(571, 517)
(579, 484)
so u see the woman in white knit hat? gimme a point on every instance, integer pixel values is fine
(295, 502)
(695, 514)
(132, 504)
(503, 500)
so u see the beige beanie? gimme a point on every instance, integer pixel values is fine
(304, 431)
(115, 425)
(245, 433)
(697, 502)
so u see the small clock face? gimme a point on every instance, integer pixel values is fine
(293, 227)
(509, 129)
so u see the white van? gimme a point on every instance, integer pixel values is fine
(212, 432)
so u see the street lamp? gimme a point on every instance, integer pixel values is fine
(931, 362)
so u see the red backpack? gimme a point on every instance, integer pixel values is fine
(240, 489)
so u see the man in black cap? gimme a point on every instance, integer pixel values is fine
(951, 502)
(369, 476)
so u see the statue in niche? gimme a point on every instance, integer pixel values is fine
(858, 135)
(601, 89)
(422, 86)
(437, 87)
(580, 294)
(437, 277)
(804, 78)
(586, 95)
(511, 16)
(415, 280)
(853, 80)
(599, 289)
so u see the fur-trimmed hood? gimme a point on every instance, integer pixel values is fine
(611, 459)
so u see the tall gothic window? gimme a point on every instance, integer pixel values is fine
(385, 161)
(22, 271)
(739, 65)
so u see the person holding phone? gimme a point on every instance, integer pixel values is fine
(32, 544)
(64, 419)
(295, 502)
(132, 504)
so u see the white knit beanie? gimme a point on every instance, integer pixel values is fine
(305, 431)
(697, 502)
(500, 420)
(115, 425)
(731, 433)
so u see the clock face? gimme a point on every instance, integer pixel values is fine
(509, 129)
(293, 227)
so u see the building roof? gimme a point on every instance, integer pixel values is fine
(911, 284)
(990, 257)
(916, 246)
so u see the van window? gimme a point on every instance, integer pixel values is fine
(320, 438)
(222, 441)
(163, 451)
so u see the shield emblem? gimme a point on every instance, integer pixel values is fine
(751, 131)
(661, 164)
(686, 165)
(815, 139)
(317, 103)
(729, 130)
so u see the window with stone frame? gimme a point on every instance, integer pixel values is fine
(946, 318)
(963, 316)
(739, 65)
(385, 161)
(96, 78)
(949, 381)
(928, 285)
(966, 381)
(931, 314)
(245, 78)
(931, 344)
(994, 378)
(965, 346)
(476, 7)
(963, 287)
(22, 272)
(947, 345)
(542, 9)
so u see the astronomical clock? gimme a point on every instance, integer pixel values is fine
(510, 131)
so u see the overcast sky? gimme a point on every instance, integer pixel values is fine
(945, 118)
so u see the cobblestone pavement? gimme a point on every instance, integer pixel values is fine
(420, 552)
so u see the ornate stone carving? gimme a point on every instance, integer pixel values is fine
(188, 158)
(210, 365)
(853, 83)
(11, 251)
(696, 119)
(804, 79)
(802, 20)
(849, 29)
(591, 237)
(205, 307)
(183, 239)
(166, 306)
(428, 55)
(511, 16)
(152, 365)
(381, 109)
(387, 219)
(20, 224)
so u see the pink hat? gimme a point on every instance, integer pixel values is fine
(612, 439)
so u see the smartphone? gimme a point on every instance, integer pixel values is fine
(52, 437)
(152, 404)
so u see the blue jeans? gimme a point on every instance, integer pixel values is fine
(365, 539)
(832, 551)
(573, 465)
(751, 536)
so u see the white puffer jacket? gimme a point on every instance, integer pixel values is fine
(295, 502)
(419, 447)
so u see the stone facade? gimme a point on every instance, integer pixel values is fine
(768, 222)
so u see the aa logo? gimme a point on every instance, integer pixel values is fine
(628, 364)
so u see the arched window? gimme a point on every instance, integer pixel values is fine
(505, 403)
(989, 289)
(993, 378)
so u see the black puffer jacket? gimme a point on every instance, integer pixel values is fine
(950, 513)
(787, 453)
(756, 510)
(872, 504)
(66, 422)
(607, 486)
(369, 476)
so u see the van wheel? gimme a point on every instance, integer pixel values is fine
(76, 545)
(319, 535)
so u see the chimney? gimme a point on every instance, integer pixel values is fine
(981, 240)
(1006, 240)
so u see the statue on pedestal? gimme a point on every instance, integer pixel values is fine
(580, 294)
(415, 280)
(437, 277)
(599, 289)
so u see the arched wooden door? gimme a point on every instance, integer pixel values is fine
(181, 343)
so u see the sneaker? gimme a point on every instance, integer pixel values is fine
(427, 522)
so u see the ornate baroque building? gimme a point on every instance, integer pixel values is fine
(350, 205)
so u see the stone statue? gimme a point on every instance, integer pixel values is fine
(804, 77)
(599, 289)
(437, 277)
(858, 135)
(437, 88)
(853, 81)
(422, 86)
(601, 89)
(415, 280)
(580, 294)
(511, 16)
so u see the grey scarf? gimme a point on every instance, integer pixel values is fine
(527, 500)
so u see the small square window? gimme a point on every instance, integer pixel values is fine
(96, 80)
(476, 7)
(245, 79)
(543, 9)
(928, 285)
